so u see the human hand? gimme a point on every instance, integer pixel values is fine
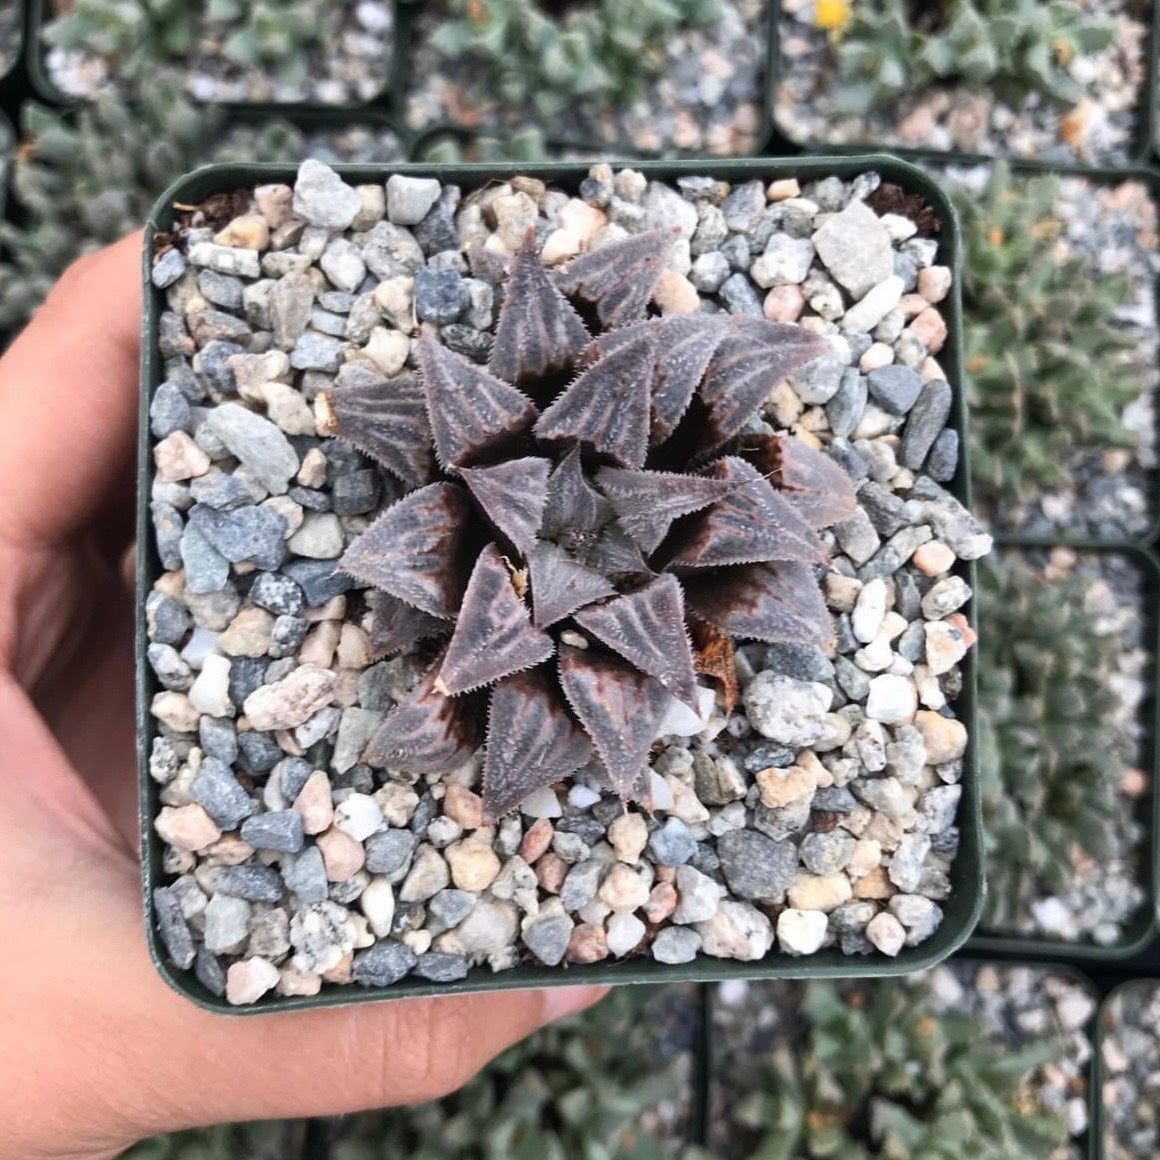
(99, 1052)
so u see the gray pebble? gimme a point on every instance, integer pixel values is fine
(856, 248)
(227, 924)
(206, 569)
(287, 633)
(168, 269)
(905, 869)
(356, 493)
(845, 407)
(306, 876)
(246, 674)
(709, 272)
(323, 198)
(318, 579)
(221, 289)
(209, 972)
(218, 737)
(258, 443)
(167, 619)
(277, 594)
(440, 296)
(220, 490)
(172, 927)
(672, 844)
(316, 352)
(894, 388)
(835, 799)
(216, 790)
(388, 851)
(740, 297)
(251, 534)
(547, 938)
(676, 944)
(167, 529)
(410, 198)
(171, 670)
(258, 752)
(447, 908)
(169, 411)
(278, 830)
(580, 885)
(803, 662)
(943, 461)
(441, 967)
(756, 866)
(925, 423)
(886, 510)
(254, 883)
(765, 755)
(826, 853)
(383, 964)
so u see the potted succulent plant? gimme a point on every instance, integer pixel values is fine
(1127, 1055)
(523, 591)
(647, 76)
(965, 1060)
(269, 52)
(1067, 749)
(1061, 81)
(1062, 349)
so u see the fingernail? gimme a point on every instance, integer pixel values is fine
(560, 1002)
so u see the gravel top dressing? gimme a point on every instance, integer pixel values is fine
(1130, 1051)
(329, 815)
(346, 60)
(1100, 127)
(706, 100)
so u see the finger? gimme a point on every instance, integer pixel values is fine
(68, 399)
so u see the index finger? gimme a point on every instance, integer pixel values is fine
(68, 398)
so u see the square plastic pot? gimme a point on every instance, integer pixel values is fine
(961, 909)
(1145, 135)
(388, 96)
(1141, 933)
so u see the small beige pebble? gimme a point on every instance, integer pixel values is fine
(559, 246)
(251, 231)
(784, 303)
(290, 511)
(341, 971)
(781, 787)
(930, 328)
(582, 219)
(388, 350)
(186, 827)
(292, 981)
(867, 856)
(177, 457)
(623, 889)
(286, 407)
(354, 648)
(175, 710)
(628, 834)
(275, 204)
(395, 299)
(312, 473)
(783, 189)
(474, 864)
(822, 892)
(320, 643)
(342, 856)
(662, 901)
(874, 884)
(248, 634)
(886, 933)
(428, 875)
(290, 702)
(675, 294)
(877, 356)
(934, 283)
(911, 305)
(945, 738)
(465, 807)
(933, 558)
(314, 804)
(248, 980)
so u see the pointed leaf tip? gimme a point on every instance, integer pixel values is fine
(493, 636)
(427, 732)
(512, 495)
(752, 522)
(647, 502)
(751, 359)
(820, 490)
(647, 628)
(470, 411)
(607, 406)
(619, 277)
(387, 420)
(620, 709)
(538, 329)
(394, 625)
(776, 603)
(412, 549)
(560, 584)
(531, 742)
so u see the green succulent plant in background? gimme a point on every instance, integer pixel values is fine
(1049, 372)
(138, 35)
(549, 53)
(276, 1140)
(1015, 48)
(82, 181)
(586, 1089)
(1053, 742)
(880, 1074)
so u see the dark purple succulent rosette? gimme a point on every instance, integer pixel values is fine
(570, 510)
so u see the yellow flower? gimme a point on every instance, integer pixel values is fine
(832, 15)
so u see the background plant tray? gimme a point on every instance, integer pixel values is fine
(961, 910)
(1145, 135)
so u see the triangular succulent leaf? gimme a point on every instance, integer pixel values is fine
(620, 277)
(394, 625)
(647, 502)
(561, 584)
(512, 495)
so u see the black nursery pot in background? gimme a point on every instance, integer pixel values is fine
(961, 910)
